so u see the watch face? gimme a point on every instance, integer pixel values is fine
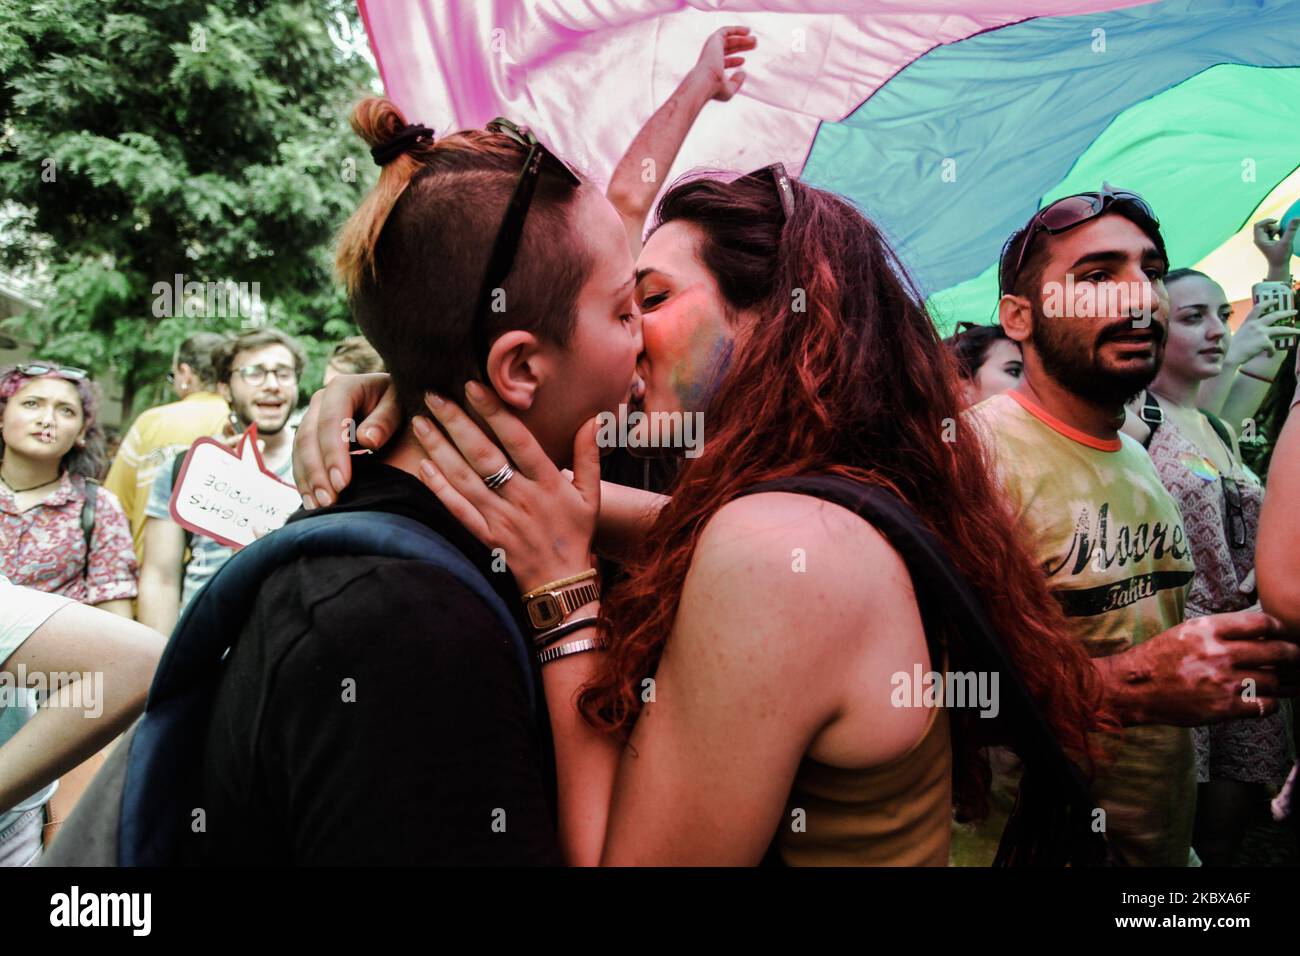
(544, 611)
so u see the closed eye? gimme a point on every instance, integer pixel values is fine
(650, 301)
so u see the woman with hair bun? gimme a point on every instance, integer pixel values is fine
(477, 254)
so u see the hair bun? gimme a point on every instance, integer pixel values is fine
(399, 144)
(377, 120)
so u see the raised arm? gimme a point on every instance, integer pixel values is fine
(639, 174)
(1254, 356)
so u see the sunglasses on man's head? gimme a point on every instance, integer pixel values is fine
(511, 231)
(1063, 215)
(62, 371)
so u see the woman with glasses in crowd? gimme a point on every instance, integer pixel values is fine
(1199, 461)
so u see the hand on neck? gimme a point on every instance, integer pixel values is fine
(404, 452)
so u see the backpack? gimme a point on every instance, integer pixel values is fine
(137, 809)
(1051, 824)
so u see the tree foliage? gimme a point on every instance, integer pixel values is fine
(140, 139)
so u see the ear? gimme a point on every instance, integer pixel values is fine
(224, 389)
(1016, 317)
(968, 391)
(517, 365)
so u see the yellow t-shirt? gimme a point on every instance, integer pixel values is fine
(147, 443)
(1110, 539)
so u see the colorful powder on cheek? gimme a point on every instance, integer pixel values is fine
(702, 360)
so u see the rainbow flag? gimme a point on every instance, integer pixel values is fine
(947, 122)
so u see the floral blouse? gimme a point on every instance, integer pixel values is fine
(44, 547)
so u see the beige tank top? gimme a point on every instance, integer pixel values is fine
(896, 814)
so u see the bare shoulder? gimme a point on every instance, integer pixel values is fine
(805, 556)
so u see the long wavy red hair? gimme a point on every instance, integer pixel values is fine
(856, 383)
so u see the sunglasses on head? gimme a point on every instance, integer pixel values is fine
(511, 231)
(1063, 215)
(781, 180)
(62, 371)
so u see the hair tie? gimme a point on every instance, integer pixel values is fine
(385, 153)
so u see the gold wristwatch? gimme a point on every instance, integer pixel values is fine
(552, 603)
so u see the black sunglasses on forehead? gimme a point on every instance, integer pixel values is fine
(511, 231)
(781, 180)
(1063, 215)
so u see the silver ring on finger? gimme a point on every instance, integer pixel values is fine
(496, 480)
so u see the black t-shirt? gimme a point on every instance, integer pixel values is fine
(372, 711)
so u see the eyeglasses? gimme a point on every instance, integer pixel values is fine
(781, 179)
(1233, 511)
(62, 371)
(256, 374)
(511, 230)
(1063, 215)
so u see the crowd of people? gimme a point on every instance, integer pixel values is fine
(905, 583)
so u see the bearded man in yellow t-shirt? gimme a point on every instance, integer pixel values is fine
(1082, 294)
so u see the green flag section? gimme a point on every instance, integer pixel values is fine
(1207, 154)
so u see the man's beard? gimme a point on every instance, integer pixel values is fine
(1076, 365)
(247, 414)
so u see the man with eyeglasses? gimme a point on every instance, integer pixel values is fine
(257, 374)
(1081, 288)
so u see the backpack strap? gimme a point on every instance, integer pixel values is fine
(164, 767)
(1152, 414)
(945, 597)
(88, 518)
(1220, 428)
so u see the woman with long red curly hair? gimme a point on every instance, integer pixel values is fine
(754, 651)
